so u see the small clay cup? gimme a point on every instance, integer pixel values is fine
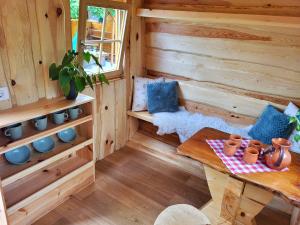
(250, 155)
(256, 144)
(236, 138)
(230, 147)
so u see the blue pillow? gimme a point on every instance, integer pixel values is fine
(162, 97)
(271, 124)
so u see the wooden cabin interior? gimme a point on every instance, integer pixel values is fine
(111, 164)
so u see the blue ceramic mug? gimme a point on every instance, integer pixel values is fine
(14, 132)
(75, 112)
(40, 123)
(60, 117)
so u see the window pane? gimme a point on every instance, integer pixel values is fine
(106, 54)
(103, 37)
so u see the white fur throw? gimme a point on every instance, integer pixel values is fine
(186, 124)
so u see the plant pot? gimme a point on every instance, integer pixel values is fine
(250, 155)
(73, 93)
(230, 147)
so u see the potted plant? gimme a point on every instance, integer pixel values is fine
(296, 120)
(71, 75)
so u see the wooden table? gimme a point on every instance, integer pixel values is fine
(238, 198)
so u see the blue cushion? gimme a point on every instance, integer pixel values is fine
(162, 97)
(271, 124)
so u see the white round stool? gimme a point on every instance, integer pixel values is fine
(181, 214)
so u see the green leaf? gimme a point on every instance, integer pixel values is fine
(102, 78)
(86, 56)
(298, 127)
(80, 83)
(66, 89)
(64, 77)
(53, 72)
(297, 137)
(94, 78)
(68, 58)
(96, 61)
(89, 81)
(72, 71)
(293, 119)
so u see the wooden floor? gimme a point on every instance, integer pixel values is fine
(133, 187)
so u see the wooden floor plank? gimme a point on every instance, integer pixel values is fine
(132, 188)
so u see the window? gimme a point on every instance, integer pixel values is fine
(102, 31)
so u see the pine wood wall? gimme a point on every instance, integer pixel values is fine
(238, 67)
(36, 33)
(33, 35)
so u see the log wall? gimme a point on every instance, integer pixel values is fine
(234, 65)
(33, 35)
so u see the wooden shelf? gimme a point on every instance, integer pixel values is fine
(31, 134)
(31, 184)
(51, 176)
(10, 173)
(40, 108)
(144, 115)
(222, 18)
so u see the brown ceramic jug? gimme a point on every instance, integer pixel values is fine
(278, 156)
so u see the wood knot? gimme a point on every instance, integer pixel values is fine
(106, 107)
(106, 142)
(58, 12)
(13, 82)
(40, 62)
(111, 142)
(58, 172)
(46, 15)
(137, 36)
(243, 214)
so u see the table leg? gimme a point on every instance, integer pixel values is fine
(295, 219)
(233, 202)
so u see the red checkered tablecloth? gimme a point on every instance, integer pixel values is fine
(236, 163)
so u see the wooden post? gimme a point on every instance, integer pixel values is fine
(102, 33)
(3, 215)
(137, 67)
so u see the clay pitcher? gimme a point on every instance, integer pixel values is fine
(278, 156)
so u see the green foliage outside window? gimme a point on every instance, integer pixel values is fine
(95, 11)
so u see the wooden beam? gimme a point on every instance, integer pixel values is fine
(222, 18)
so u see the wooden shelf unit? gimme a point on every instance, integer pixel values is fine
(22, 186)
(10, 173)
(31, 134)
(27, 186)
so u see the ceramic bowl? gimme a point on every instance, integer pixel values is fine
(67, 135)
(42, 145)
(18, 156)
